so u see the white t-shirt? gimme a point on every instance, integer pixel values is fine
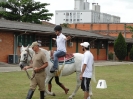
(88, 59)
(61, 42)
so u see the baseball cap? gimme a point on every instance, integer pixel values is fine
(85, 44)
(34, 44)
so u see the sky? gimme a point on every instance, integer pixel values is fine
(121, 8)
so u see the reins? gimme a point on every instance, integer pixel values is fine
(28, 53)
(29, 75)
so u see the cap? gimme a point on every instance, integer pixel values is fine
(58, 28)
(34, 44)
(85, 44)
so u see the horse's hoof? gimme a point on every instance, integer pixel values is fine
(90, 94)
(54, 94)
(66, 91)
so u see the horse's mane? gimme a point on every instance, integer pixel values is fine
(31, 51)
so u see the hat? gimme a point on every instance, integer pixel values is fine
(34, 44)
(57, 28)
(85, 44)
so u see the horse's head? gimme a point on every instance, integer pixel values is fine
(25, 56)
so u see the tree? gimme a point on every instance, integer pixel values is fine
(120, 47)
(131, 29)
(66, 25)
(131, 54)
(25, 11)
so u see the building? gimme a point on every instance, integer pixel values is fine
(82, 14)
(110, 29)
(14, 34)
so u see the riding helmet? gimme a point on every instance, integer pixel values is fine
(58, 28)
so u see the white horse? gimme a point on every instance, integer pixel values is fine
(26, 54)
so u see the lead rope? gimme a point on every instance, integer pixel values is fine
(27, 71)
(29, 75)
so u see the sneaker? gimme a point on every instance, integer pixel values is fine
(52, 70)
(89, 97)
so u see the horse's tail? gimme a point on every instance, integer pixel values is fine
(93, 73)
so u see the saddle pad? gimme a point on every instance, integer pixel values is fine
(67, 57)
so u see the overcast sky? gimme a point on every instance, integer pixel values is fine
(121, 8)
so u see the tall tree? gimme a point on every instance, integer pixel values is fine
(25, 11)
(131, 29)
(120, 47)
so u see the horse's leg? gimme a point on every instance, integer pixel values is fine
(90, 90)
(60, 84)
(48, 78)
(77, 86)
(50, 85)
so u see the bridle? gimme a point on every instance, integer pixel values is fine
(26, 62)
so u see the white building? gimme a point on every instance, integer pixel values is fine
(82, 14)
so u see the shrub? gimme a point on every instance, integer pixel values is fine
(131, 54)
(110, 56)
(120, 47)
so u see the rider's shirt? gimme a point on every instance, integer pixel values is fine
(61, 43)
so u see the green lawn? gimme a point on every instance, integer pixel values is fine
(119, 79)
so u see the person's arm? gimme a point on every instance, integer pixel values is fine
(27, 67)
(68, 38)
(82, 71)
(86, 59)
(54, 39)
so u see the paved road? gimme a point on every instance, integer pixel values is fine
(4, 67)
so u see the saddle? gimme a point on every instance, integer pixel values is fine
(69, 58)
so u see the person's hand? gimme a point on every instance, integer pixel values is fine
(54, 38)
(81, 76)
(25, 68)
(68, 37)
(36, 70)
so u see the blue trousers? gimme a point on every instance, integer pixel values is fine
(56, 55)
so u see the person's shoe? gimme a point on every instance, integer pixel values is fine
(53, 70)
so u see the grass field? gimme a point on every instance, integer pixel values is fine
(119, 79)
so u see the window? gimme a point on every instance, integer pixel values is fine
(25, 40)
(67, 14)
(66, 19)
(45, 40)
(102, 44)
(78, 15)
(94, 44)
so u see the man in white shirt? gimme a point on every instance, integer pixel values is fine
(61, 46)
(86, 69)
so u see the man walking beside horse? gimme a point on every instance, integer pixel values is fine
(39, 63)
(86, 69)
